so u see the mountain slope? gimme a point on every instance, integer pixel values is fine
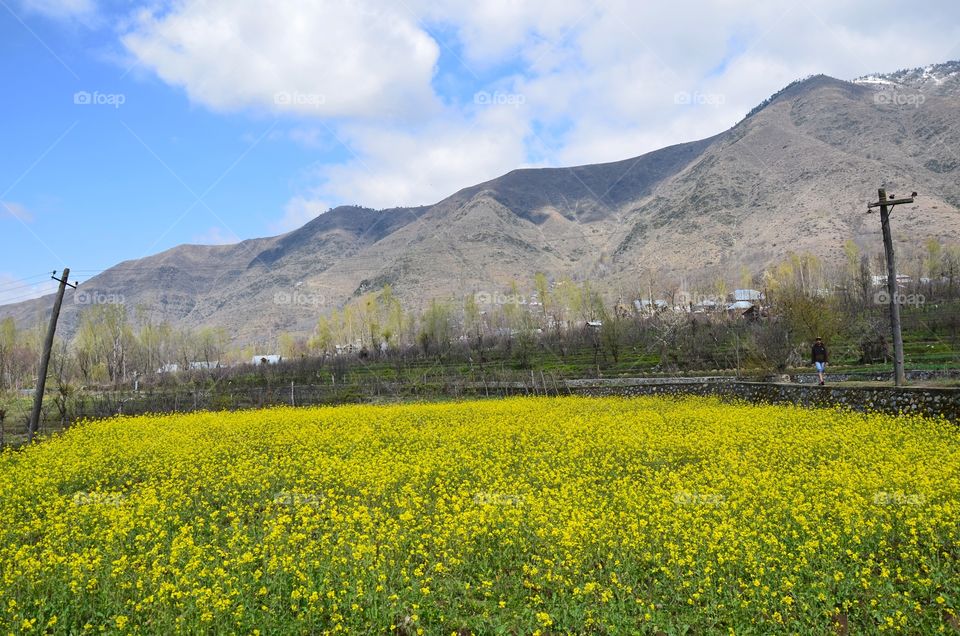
(797, 176)
(794, 175)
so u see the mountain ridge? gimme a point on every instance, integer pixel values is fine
(793, 175)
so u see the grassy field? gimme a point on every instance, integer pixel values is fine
(519, 516)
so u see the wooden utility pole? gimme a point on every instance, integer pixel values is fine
(45, 358)
(886, 203)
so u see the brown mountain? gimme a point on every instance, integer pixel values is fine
(794, 175)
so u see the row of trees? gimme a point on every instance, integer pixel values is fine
(803, 297)
(108, 348)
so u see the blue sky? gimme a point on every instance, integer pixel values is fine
(130, 128)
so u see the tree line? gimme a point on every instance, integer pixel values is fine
(665, 327)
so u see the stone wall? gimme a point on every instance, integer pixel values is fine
(877, 376)
(923, 401)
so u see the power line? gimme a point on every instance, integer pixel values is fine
(22, 298)
(17, 284)
(34, 276)
(33, 293)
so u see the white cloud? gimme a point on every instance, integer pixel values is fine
(299, 211)
(611, 82)
(216, 236)
(324, 58)
(598, 81)
(500, 30)
(413, 167)
(9, 209)
(311, 137)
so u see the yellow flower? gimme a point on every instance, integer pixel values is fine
(559, 509)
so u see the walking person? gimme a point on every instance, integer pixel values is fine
(820, 356)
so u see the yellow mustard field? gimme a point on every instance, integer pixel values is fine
(520, 516)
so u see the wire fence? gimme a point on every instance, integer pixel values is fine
(57, 416)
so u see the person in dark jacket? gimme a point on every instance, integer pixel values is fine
(820, 356)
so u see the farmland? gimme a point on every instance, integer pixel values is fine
(524, 515)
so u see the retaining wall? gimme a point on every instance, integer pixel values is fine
(931, 402)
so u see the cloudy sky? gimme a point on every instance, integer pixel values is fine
(128, 128)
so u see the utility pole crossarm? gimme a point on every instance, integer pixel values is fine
(890, 202)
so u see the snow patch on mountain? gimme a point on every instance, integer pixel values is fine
(935, 79)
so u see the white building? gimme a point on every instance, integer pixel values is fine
(749, 295)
